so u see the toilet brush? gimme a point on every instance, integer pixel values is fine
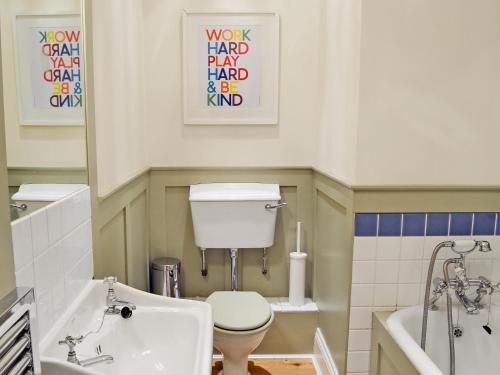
(297, 273)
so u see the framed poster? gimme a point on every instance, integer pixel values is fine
(230, 68)
(49, 53)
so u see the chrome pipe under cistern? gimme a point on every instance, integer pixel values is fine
(234, 269)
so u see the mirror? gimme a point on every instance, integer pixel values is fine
(44, 113)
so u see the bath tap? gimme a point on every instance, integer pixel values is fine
(484, 287)
(114, 305)
(461, 283)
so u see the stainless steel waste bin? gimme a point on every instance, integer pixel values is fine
(166, 277)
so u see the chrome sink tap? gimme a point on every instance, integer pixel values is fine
(73, 358)
(115, 305)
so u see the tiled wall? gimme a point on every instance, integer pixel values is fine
(391, 258)
(53, 254)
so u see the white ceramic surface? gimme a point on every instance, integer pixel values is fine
(236, 346)
(476, 351)
(233, 215)
(163, 336)
(45, 192)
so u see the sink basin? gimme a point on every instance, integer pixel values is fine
(163, 336)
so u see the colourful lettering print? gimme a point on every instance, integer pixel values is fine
(225, 46)
(64, 76)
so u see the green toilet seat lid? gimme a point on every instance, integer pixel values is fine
(239, 311)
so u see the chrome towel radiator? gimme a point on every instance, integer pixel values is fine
(18, 346)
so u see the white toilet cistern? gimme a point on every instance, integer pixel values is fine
(234, 216)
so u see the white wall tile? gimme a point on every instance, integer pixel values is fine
(44, 313)
(495, 245)
(360, 318)
(385, 295)
(54, 222)
(412, 248)
(25, 277)
(58, 298)
(365, 248)
(362, 295)
(431, 242)
(43, 272)
(75, 209)
(77, 278)
(358, 361)
(408, 294)
(477, 267)
(359, 339)
(76, 244)
(495, 274)
(363, 272)
(386, 271)
(21, 242)
(39, 231)
(49, 268)
(42, 246)
(388, 248)
(410, 271)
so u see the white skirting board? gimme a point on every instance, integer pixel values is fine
(323, 361)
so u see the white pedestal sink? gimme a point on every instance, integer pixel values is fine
(163, 336)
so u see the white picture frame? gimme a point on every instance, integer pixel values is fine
(40, 103)
(251, 91)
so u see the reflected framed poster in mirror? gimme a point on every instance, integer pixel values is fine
(49, 53)
(230, 67)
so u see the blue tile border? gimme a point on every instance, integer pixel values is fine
(461, 224)
(437, 224)
(389, 225)
(484, 224)
(414, 224)
(365, 225)
(427, 224)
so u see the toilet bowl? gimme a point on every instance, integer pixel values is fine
(241, 320)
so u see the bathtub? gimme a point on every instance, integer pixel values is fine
(476, 351)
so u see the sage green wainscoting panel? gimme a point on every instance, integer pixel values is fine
(427, 199)
(290, 333)
(333, 236)
(137, 240)
(387, 358)
(113, 249)
(33, 175)
(120, 230)
(7, 278)
(172, 229)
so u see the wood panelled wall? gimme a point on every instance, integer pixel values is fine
(333, 237)
(172, 230)
(121, 233)
(150, 217)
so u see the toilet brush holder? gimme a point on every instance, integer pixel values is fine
(297, 283)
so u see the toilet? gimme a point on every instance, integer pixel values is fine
(241, 320)
(235, 216)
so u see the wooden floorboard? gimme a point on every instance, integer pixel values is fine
(278, 366)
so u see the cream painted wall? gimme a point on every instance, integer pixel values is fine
(429, 89)
(119, 91)
(290, 143)
(30, 146)
(372, 93)
(339, 57)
